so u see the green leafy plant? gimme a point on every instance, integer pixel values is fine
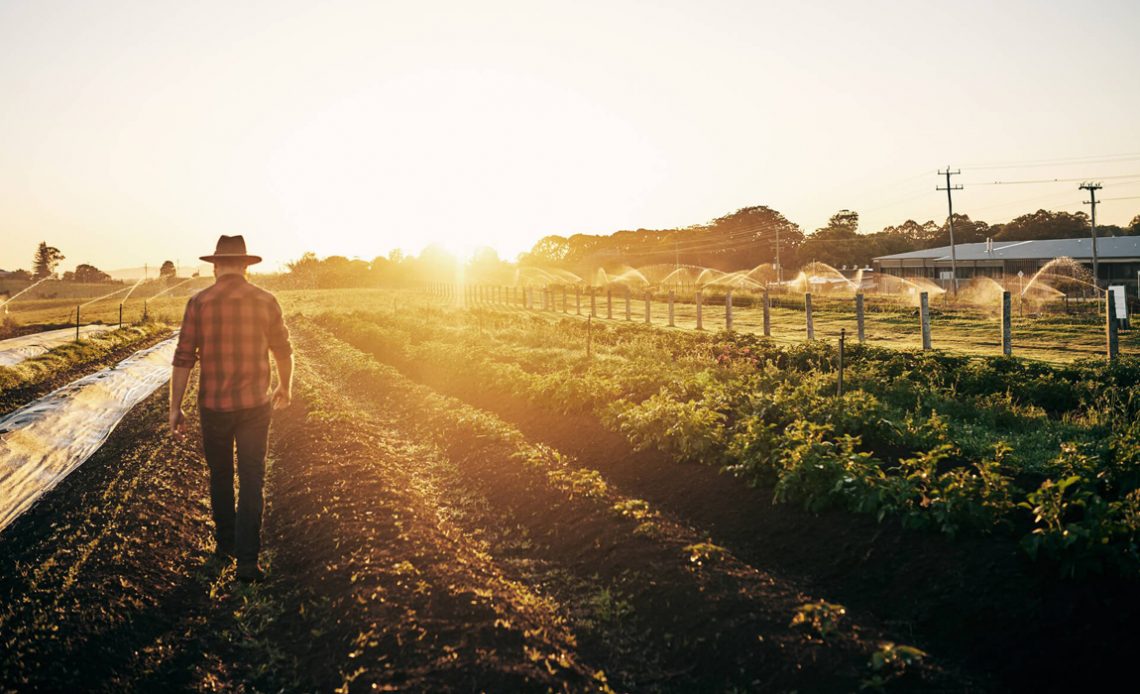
(890, 662)
(822, 617)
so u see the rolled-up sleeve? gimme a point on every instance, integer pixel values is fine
(189, 337)
(276, 334)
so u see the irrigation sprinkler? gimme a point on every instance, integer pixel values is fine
(924, 315)
(842, 340)
(628, 293)
(859, 316)
(1020, 294)
(671, 298)
(728, 310)
(1006, 328)
(589, 333)
(120, 316)
(77, 322)
(564, 306)
(593, 303)
(808, 317)
(577, 300)
(700, 318)
(648, 318)
(609, 304)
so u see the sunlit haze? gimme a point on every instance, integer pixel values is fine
(134, 132)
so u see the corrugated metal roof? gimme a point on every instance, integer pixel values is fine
(1113, 247)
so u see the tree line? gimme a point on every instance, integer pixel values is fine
(47, 259)
(753, 236)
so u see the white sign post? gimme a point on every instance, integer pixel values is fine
(1121, 305)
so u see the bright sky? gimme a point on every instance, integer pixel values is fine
(134, 132)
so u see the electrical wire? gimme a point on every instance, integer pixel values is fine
(1034, 163)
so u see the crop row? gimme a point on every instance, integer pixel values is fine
(950, 443)
(92, 349)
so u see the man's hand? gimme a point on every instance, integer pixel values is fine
(281, 398)
(177, 422)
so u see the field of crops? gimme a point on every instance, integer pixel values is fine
(492, 498)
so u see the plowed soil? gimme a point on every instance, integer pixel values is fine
(413, 542)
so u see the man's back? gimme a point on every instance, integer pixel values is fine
(230, 327)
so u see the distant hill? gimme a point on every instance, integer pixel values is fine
(133, 273)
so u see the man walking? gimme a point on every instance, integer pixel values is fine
(230, 328)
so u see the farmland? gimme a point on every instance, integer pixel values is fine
(487, 497)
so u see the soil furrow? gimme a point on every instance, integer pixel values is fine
(415, 602)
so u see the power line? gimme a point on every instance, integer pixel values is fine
(1022, 201)
(1053, 180)
(1090, 159)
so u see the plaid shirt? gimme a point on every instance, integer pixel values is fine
(230, 327)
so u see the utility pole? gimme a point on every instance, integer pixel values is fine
(950, 221)
(1092, 188)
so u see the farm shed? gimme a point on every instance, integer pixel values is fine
(1118, 259)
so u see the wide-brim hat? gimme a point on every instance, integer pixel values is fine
(231, 248)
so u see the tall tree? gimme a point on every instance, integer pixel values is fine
(747, 238)
(88, 273)
(167, 271)
(844, 224)
(46, 260)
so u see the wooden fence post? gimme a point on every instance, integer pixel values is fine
(1110, 325)
(1006, 320)
(700, 321)
(767, 314)
(807, 315)
(671, 323)
(924, 315)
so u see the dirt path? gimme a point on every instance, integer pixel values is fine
(105, 581)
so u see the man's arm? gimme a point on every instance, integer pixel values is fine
(283, 393)
(185, 355)
(278, 337)
(178, 380)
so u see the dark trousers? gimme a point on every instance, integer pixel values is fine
(249, 430)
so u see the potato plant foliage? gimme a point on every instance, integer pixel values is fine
(1047, 454)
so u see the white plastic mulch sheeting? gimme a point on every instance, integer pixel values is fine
(44, 441)
(17, 349)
